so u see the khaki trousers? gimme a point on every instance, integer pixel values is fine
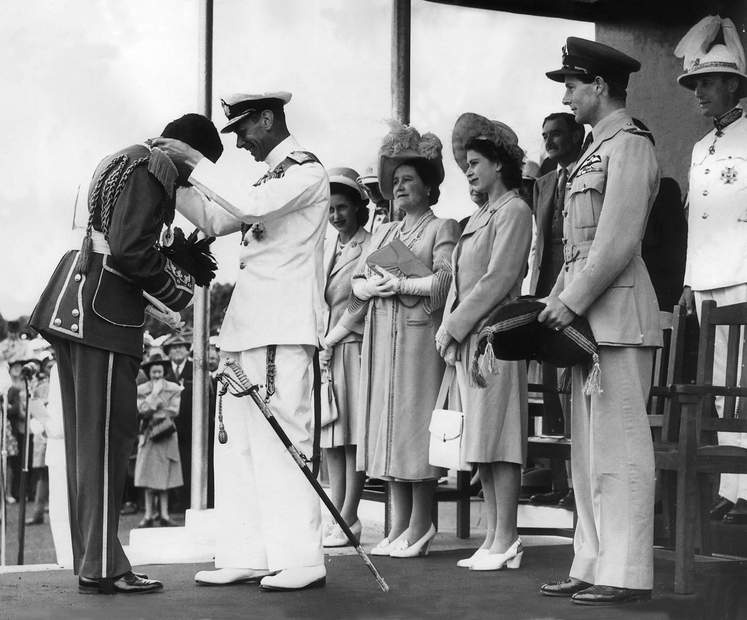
(613, 471)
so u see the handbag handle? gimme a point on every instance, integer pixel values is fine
(443, 391)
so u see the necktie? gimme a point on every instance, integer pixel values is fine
(587, 143)
(560, 189)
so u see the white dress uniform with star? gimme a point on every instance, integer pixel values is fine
(717, 246)
(268, 516)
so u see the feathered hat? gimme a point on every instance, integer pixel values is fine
(405, 144)
(470, 125)
(704, 53)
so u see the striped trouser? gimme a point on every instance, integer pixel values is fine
(99, 405)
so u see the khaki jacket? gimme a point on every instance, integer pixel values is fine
(608, 199)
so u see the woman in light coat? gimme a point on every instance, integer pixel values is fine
(341, 357)
(401, 370)
(490, 262)
(158, 466)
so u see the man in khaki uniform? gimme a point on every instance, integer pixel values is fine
(609, 195)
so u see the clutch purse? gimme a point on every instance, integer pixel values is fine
(162, 430)
(398, 260)
(329, 405)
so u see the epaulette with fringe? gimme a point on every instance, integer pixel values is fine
(109, 186)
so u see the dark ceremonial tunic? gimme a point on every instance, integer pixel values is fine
(95, 321)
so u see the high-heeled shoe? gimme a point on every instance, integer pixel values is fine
(386, 546)
(496, 561)
(406, 550)
(338, 538)
(468, 562)
(146, 522)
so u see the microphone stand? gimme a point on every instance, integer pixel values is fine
(245, 387)
(24, 473)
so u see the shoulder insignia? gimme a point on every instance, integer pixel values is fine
(161, 167)
(303, 157)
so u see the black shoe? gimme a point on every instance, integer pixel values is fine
(738, 514)
(148, 522)
(129, 583)
(167, 522)
(35, 520)
(569, 587)
(720, 509)
(569, 501)
(609, 595)
(549, 499)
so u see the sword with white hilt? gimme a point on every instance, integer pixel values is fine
(234, 379)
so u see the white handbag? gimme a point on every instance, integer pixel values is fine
(447, 431)
(329, 411)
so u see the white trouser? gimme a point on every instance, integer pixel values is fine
(733, 486)
(268, 515)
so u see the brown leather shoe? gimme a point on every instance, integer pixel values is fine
(129, 583)
(609, 595)
(569, 587)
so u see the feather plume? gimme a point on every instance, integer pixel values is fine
(700, 38)
(193, 255)
(400, 138)
(430, 146)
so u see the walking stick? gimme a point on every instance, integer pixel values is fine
(240, 385)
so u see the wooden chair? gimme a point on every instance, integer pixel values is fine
(688, 446)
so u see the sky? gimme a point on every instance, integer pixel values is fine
(84, 78)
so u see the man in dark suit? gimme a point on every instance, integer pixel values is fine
(563, 138)
(92, 312)
(180, 371)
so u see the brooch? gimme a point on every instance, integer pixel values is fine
(729, 175)
(259, 231)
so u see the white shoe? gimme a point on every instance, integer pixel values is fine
(386, 546)
(230, 576)
(337, 538)
(296, 579)
(467, 562)
(496, 561)
(406, 550)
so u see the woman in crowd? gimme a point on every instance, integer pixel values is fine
(158, 467)
(341, 357)
(400, 369)
(490, 263)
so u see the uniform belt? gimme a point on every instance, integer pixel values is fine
(576, 251)
(100, 244)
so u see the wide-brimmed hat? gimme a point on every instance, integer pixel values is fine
(512, 332)
(155, 359)
(584, 58)
(349, 178)
(238, 106)
(404, 144)
(470, 125)
(177, 339)
(701, 56)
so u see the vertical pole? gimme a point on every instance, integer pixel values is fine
(400, 84)
(201, 385)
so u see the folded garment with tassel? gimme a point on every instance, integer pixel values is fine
(512, 332)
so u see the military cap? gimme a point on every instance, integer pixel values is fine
(349, 178)
(582, 57)
(239, 106)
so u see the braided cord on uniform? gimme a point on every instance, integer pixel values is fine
(112, 192)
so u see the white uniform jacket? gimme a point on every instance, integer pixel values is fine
(717, 218)
(279, 294)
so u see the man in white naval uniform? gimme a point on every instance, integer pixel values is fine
(268, 515)
(717, 220)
